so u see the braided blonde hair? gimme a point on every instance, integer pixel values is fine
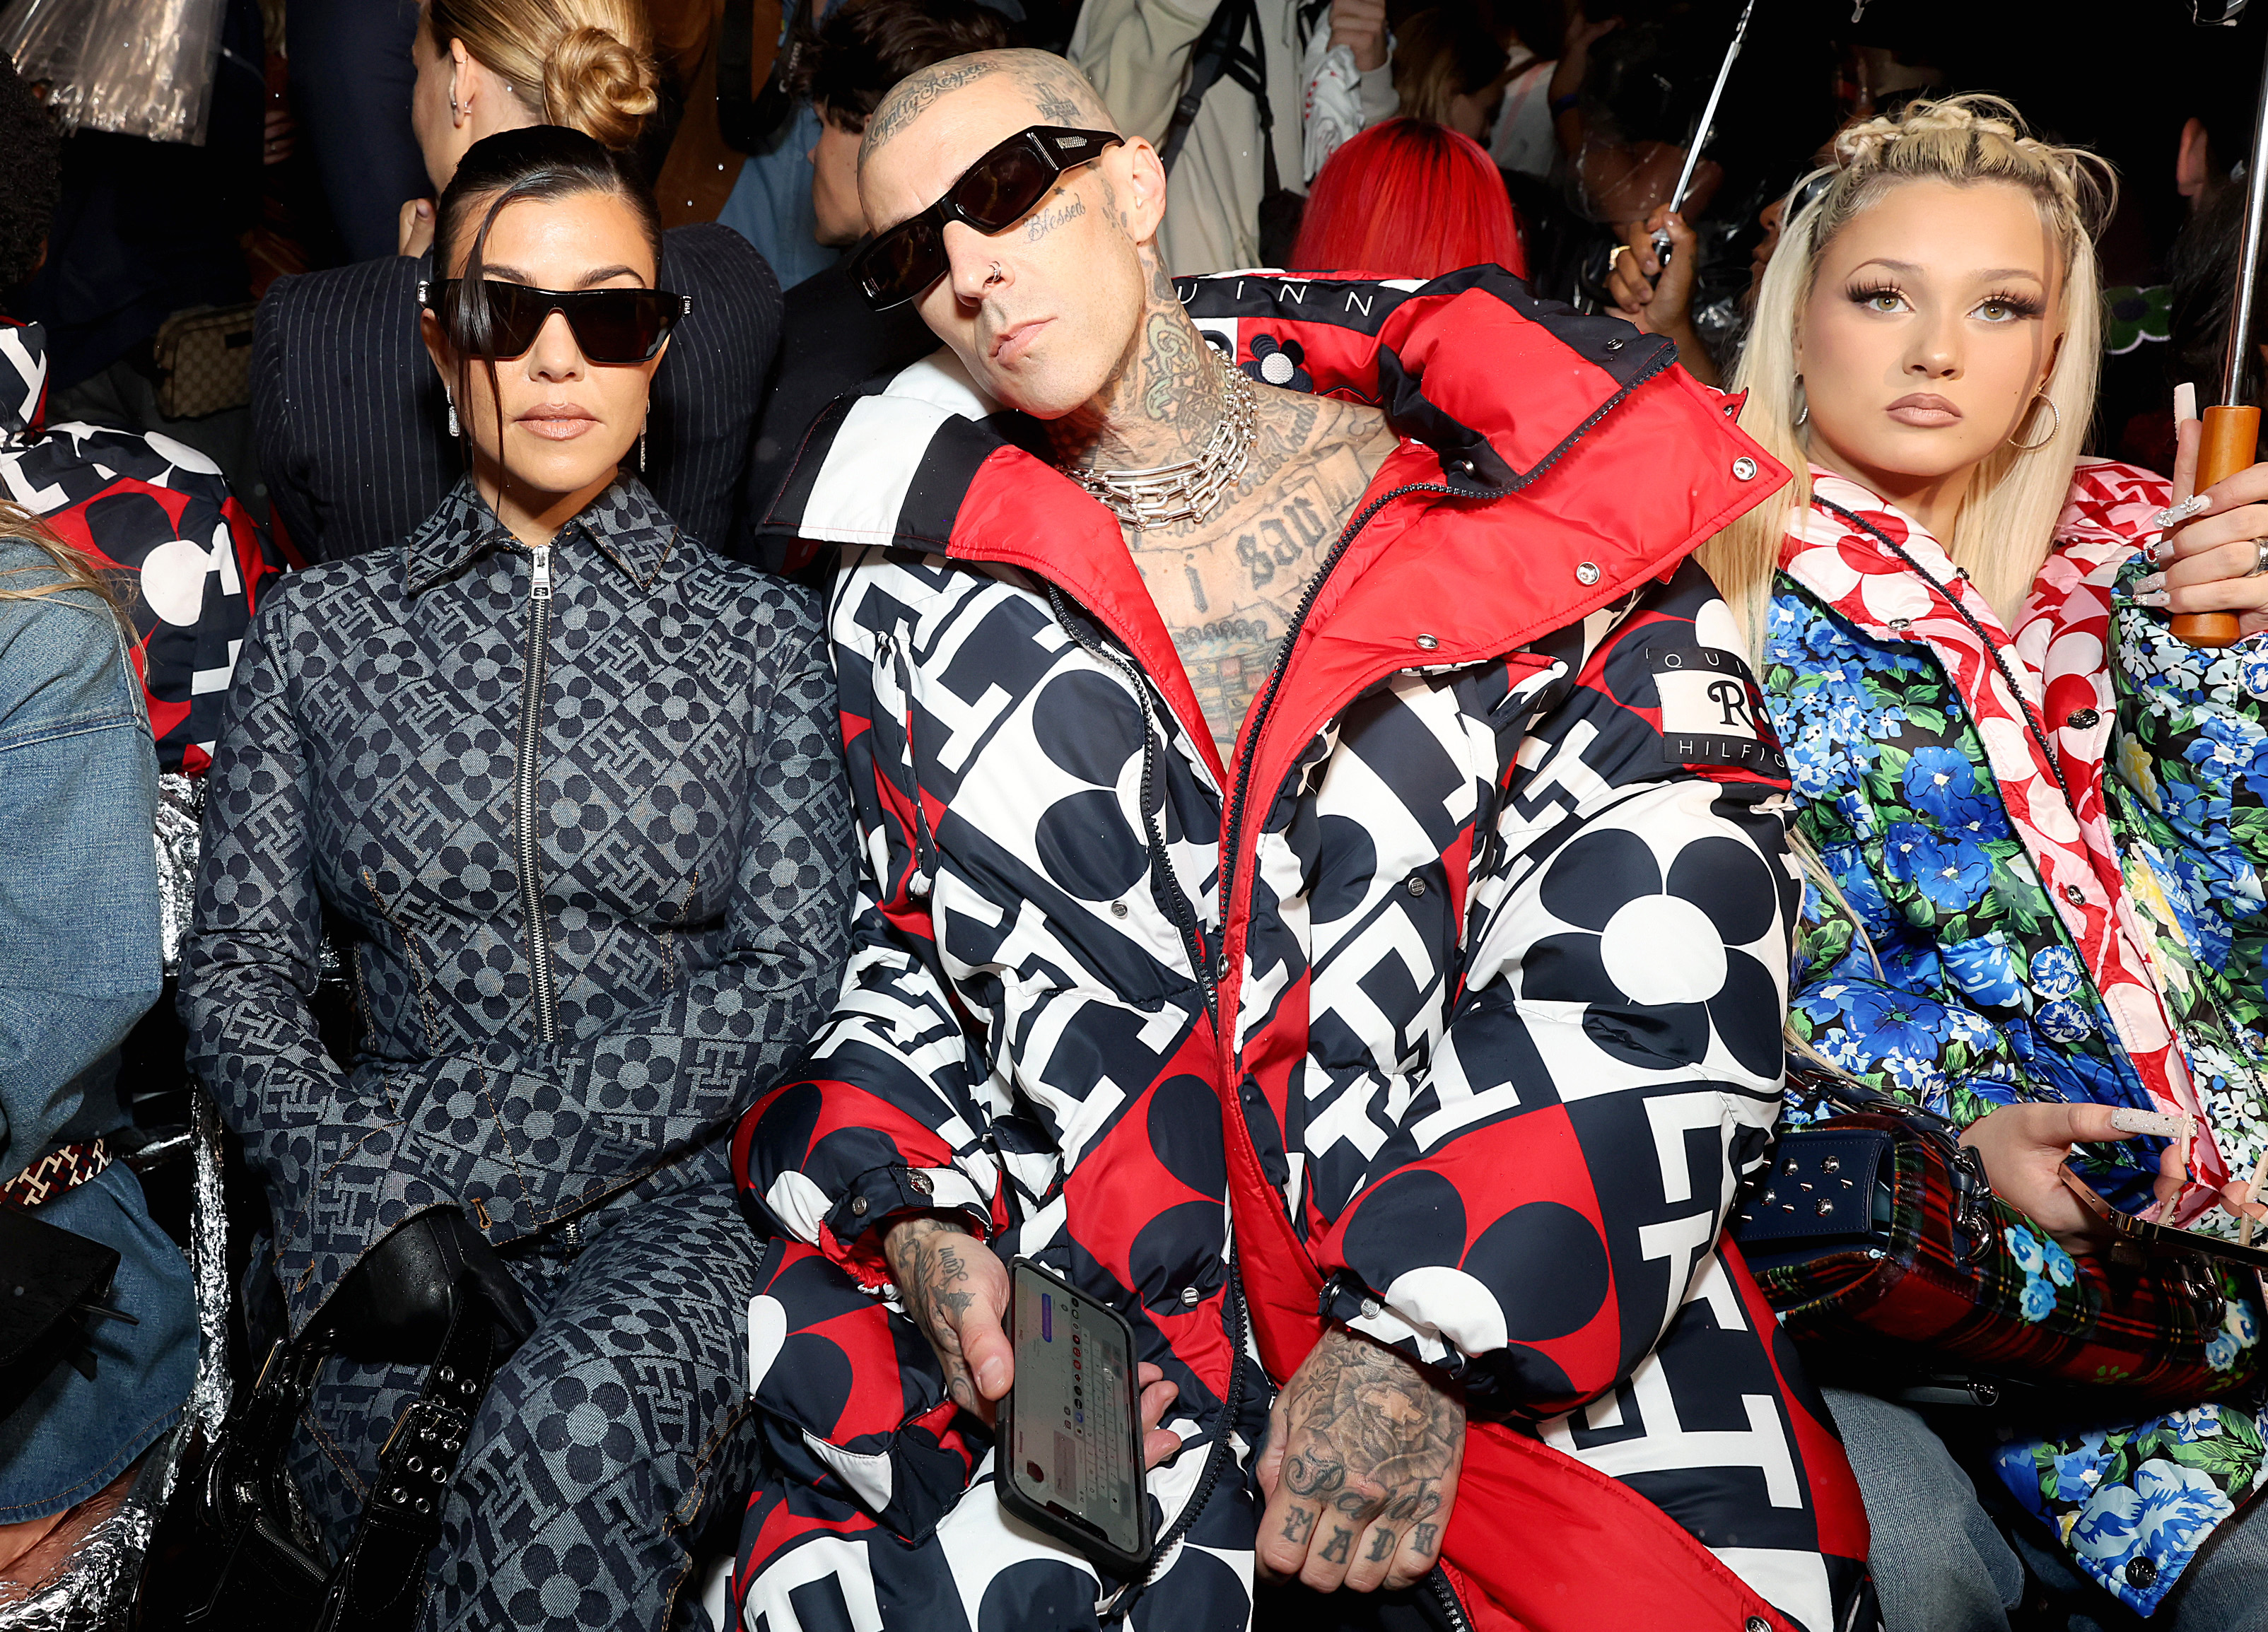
(2007, 519)
(587, 64)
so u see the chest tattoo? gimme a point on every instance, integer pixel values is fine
(1229, 588)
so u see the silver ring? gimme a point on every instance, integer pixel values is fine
(996, 274)
(1615, 255)
(2259, 558)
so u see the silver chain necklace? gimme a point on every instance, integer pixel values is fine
(1191, 488)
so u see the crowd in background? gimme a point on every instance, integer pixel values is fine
(328, 121)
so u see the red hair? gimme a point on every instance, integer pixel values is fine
(1409, 199)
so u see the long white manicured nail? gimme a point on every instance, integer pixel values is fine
(2165, 1124)
(2173, 516)
(2184, 402)
(2150, 586)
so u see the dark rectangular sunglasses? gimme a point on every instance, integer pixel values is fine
(992, 194)
(610, 325)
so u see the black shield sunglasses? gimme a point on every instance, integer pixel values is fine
(992, 194)
(610, 325)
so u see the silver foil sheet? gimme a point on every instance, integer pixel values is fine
(180, 807)
(94, 1591)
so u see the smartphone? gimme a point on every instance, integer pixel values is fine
(2158, 1237)
(1069, 1450)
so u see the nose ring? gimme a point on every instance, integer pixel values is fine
(996, 274)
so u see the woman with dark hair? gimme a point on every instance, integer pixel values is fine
(562, 787)
(1409, 199)
(346, 415)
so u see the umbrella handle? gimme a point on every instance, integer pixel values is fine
(2231, 436)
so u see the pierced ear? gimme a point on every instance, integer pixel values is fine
(461, 90)
(1146, 175)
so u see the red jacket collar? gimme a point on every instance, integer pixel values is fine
(1576, 460)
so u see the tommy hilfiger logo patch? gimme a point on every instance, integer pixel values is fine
(1710, 714)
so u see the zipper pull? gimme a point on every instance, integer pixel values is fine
(540, 590)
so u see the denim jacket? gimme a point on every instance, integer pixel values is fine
(79, 949)
(576, 819)
(78, 885)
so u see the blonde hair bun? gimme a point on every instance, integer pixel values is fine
(595, 84)
(587, 64)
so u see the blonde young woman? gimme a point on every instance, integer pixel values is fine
(2036, 896)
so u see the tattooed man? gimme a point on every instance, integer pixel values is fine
(1302, 783)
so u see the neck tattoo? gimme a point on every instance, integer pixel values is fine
(1188, 490)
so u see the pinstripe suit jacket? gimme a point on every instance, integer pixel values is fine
(352, 428)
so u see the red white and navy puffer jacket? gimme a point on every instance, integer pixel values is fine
(1459, 988)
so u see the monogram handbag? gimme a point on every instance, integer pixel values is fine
(205, 361)
(1877, 1239)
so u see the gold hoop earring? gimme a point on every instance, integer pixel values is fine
(2055, 428)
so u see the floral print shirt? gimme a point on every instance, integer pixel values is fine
(1937, 963)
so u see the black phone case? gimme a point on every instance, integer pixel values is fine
(1125, 1566)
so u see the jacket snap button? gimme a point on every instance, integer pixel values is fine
(1427, 642)
(1119, 910)
(1416, 886)
(1191, 1297)
(920, 1181)
(1758, 1623)
(2141, 1572)
(859, 1205)
(1899, 625)
(1586, 572)
(1745, 468)
(2072, 893)
(2080, 719)
(1369, 1308)
(1614, 342)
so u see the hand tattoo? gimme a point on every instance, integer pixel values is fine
(935, 1285)
(1371, 1439)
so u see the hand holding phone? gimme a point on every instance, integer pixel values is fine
(1081, 1427)
(2024, 1146)
(955, 1289)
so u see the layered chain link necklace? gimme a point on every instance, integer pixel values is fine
(1191, 488)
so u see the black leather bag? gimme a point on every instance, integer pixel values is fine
(227, 1553)
(53, 1282)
